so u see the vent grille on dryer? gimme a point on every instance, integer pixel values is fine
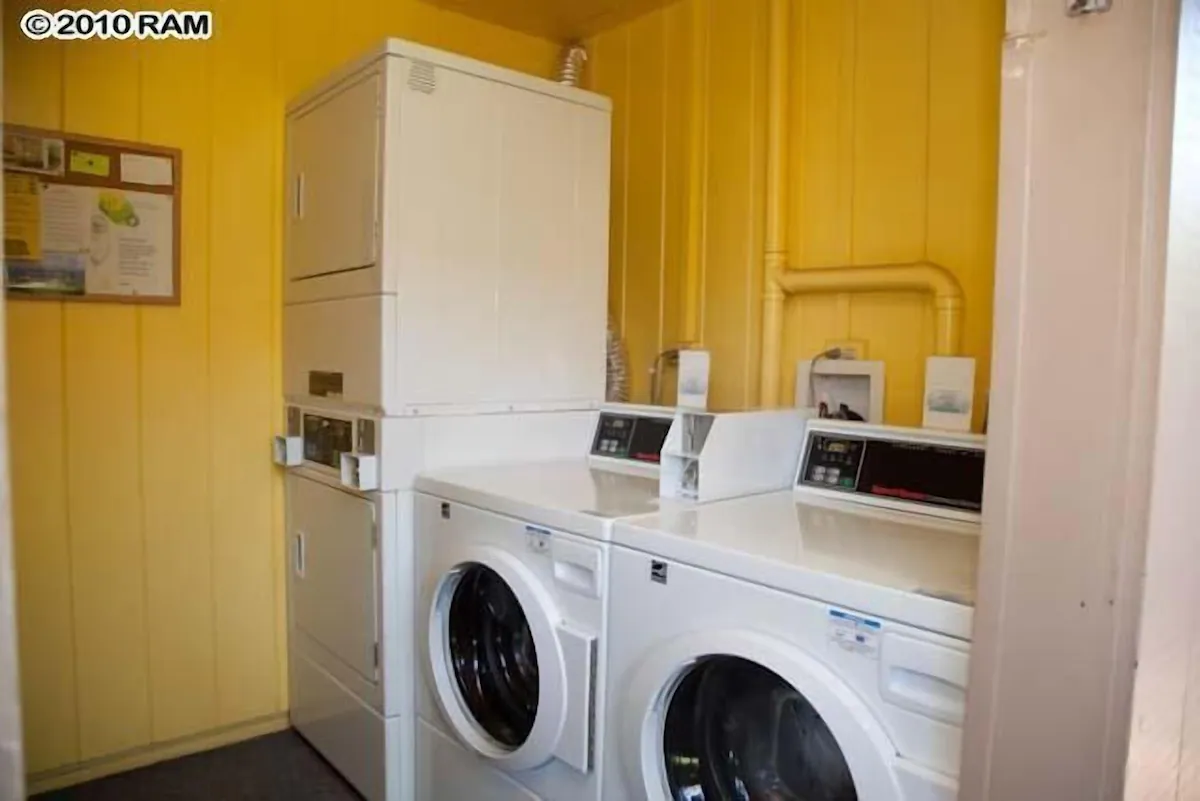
(422, 77)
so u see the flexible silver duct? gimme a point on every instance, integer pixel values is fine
(617, 384)
(570, 66)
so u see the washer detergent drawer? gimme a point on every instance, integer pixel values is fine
(343, 350)
(331, 536)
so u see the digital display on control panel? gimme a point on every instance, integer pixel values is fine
(623, 436)
(326, 439)
(921, 472)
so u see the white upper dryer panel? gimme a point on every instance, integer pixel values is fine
(446, 238)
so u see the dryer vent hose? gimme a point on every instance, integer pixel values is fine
(570, 66)
(617, 383)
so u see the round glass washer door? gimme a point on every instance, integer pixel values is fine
(493, 657)
(496, 663)
(736, 731)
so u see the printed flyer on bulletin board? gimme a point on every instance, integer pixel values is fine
(90, 219)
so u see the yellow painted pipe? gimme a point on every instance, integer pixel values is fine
(917, 277)
(778, 176)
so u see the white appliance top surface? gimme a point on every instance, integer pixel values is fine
(570, 495)
(454, 61)
(900, 566)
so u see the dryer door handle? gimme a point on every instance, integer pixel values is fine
(298, 561)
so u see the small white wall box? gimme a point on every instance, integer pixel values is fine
(949, 393)
(708, 456)
(694, 368)
(859, 385)
(288, 451)
(360, 471)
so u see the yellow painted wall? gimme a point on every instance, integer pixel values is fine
(894, 139)
(148, 514)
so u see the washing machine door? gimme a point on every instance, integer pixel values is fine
(737, 716)
(508, 675)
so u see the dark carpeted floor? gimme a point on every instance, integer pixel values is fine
(279, 767)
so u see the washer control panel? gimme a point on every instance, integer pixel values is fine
(631, 437)
(834, 461)
(921, 468)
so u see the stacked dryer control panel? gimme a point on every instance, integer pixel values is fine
(445, 275)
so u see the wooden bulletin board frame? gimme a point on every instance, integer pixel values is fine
(96, 153)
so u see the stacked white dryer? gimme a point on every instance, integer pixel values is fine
(445, 276)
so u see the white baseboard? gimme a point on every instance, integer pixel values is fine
(141, 757)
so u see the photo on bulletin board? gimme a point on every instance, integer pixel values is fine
(90, 219)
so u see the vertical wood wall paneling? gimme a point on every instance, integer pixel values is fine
(703, 33)
(104, 435)
(895, 125)
(964, 116)
(306, 57)
(642, 309)
(891, 146)
(677, 90)
(729, 252)
(823, 77)
(33, 74)
(891, 96)
(176, 425)
(278, 416)
(755, 213)
(609, 73)
(247, 106)
(354, 29)
(822, 164)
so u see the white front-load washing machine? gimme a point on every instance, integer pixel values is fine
(809, 644)
(513, 565)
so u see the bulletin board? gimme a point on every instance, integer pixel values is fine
(89, 219)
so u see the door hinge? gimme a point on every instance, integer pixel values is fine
(375, 656)
(374, 529)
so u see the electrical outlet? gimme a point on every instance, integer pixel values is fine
(851, 348)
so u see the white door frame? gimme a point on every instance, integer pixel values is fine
(1084, 174)
(12, 762)
(1164, 749)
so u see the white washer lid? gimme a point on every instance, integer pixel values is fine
(569, 495)
(900, 566)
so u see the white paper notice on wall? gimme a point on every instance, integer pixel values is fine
(949, 393)
(146, 170)
(693, 379)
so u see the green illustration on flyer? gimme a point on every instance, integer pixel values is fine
(116, 207)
